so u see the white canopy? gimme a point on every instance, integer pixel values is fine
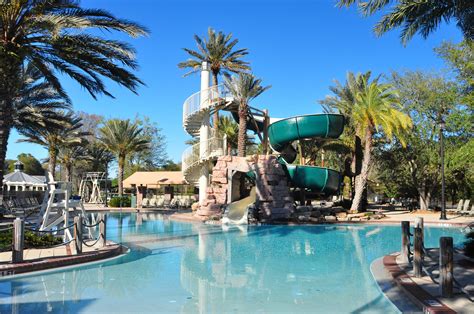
(20, 181)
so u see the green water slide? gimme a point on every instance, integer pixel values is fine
(283, 132)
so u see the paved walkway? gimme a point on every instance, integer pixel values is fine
(430, 218)
(60, 251)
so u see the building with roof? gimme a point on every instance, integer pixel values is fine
(150, 184)
(154, 179)
(20, 181)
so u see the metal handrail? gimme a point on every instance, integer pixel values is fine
(216, 146)
(213, 96)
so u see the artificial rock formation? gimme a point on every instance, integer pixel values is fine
(273, 194)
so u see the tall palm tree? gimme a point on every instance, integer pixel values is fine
(244, 87)
(217, 49)
(343, 100)
(52, 36)
(415, 16)
(375, 111)
(122, 138)
(54, 137)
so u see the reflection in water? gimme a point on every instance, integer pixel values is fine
(180, 267)
(310, 268)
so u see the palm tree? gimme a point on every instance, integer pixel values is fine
(122, 138)
(51, 35)
(54, 137)
(36, 102)
(343, 100)
(415, 16)
(244, 87)
(374, 111)
(99, 156)
(217, 49)
(230, 129)
(70, 155)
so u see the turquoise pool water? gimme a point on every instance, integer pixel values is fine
(181, 267)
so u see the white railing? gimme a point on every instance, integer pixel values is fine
(212, 96)
(215, 146)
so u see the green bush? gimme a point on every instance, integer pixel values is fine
(115, 201)
(32, 240)
(469, 245)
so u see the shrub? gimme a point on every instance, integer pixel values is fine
(32, 240)
(125, 201)
(469, 245)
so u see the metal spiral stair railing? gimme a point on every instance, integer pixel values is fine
(193, 114)
(191, 158)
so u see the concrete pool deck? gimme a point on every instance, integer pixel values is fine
(423, 292)
(64, 255)
(429, 218)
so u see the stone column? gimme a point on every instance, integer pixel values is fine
(141, 190)
(204, 132)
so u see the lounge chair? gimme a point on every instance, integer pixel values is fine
(466, 205)
(173, 203)
(466, 210)
(458, 208)
(187, 202)
(160, 202)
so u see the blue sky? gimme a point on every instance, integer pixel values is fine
(299, 47)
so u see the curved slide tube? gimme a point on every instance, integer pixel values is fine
(283, 132)
(281, 135)
(236, 212)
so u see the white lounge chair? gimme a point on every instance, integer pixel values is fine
(160, 202)
(466, 205)
(466, 210)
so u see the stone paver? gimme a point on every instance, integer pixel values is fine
(60, 251)
(5, 257)
(46, 253)
(31, 254)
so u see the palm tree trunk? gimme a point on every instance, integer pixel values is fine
(361, 180)
(242, 140)
(5, 127)
(121, 165)
(322, 157)
(68, 168)
(52, 161)
(9, 70)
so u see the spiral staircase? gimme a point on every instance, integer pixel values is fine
(196, 108)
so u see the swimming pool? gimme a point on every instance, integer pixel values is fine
(183, 267)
